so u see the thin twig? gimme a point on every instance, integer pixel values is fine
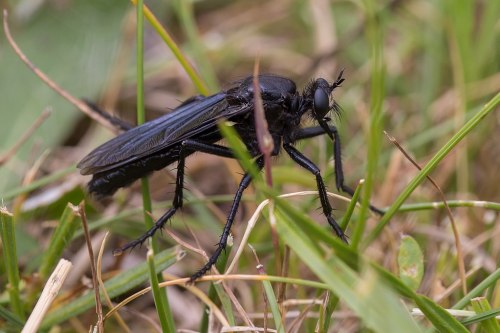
(29, 132)
(201, 252)
(458, 244)
(201, 295)
(182, 283)
(95, 282)
(261, 271)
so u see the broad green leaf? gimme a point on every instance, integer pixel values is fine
(411, 262)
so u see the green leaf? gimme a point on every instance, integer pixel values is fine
(411, 262)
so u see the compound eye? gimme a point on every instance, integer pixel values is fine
(321, 103)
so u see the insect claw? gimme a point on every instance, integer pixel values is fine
(340, 233)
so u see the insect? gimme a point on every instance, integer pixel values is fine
(192, 127)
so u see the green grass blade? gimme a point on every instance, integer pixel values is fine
(239, 150)
(433, 312)
(365, 294)
(432, 164)
(169, 41)
(161, 299)
(273, 304)
(164, 314)
(8, 235)
(375, 36)
(187, 21)
(52, 178)
(491, 280)
(326, 314)
(482, 316)
(440, 318)
(350, 209)
(451, 203)
(481, 305)
(61, 237)
(12, 320)
(141, 115)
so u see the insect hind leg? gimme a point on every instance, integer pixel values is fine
(118, 123)
(157, 226)
(187, 147)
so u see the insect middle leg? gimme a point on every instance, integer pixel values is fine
(310, 132)
(187, 147)
(304, 162)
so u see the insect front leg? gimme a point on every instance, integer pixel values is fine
(305, 133)
(187, 147)
(245, 181)
(304, 162)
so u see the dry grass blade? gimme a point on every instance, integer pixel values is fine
(253, 220)
(29, 132)
(49, 293)
(95, 282)
(182, 282)
(460, 256)
(227, 289)
(28, 179)
(266, 142)
(117, 316)
(266, 147)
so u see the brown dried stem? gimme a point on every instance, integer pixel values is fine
(458, 244)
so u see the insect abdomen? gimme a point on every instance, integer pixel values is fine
(108, 182)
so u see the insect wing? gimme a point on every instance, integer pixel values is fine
(182, 123)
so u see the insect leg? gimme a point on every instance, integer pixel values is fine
(115, 121)
(304, 162)
(310, 132)
(245, 181)
(187, 147)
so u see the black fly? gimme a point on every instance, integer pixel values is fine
(192, 127)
